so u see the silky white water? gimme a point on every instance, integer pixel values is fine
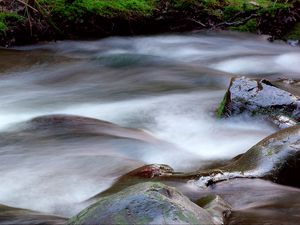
(169, 86)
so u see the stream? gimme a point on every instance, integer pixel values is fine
(165, 87)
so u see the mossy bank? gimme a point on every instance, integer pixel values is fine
(30, 21)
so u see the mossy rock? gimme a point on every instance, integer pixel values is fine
(260, 98)
(144, 203)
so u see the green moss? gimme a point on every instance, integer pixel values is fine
(6, 18)
(270, 152)
(263, 7)
(108, 8)
(202, 202)
(184, 4)
(187, 217)
(294, 34)
(220, 110)
(249, 26)
(3, 27)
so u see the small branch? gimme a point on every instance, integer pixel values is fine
(237, 23)
(198, 22)
(26, 4)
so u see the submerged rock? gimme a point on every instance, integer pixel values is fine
(260, 97)
(253, 201)
(70, 125)
(145, 203)
(10, 215)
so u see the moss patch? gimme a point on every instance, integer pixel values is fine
(6, 18)
(249, 26)
(109, 8)
(202, 202)
(294, 34)
(221, 109)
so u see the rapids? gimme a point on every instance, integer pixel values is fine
(167, 85)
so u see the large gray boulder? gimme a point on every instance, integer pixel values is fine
(276, 157)
(144, 203)
(260, 97)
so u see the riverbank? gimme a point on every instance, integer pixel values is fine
(32, 21)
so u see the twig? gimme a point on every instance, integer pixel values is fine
(29, 19)
(26, 4)
(198, 22)
(237, 23)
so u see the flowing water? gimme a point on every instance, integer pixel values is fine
(167, 85)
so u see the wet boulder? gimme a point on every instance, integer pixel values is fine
(276, 158)
(144, 203)
(10, 215)
(260, 97)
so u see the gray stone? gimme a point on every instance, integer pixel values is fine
(144, 203)
(260, 97)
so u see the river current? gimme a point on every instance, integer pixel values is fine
(167, 85)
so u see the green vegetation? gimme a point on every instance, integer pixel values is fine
(224, 10)
(235, 10)
(107, 8)
(5, 18)
(294, 34)
(221, 109)
(249, 26)
(202, 202)
(89, 18)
